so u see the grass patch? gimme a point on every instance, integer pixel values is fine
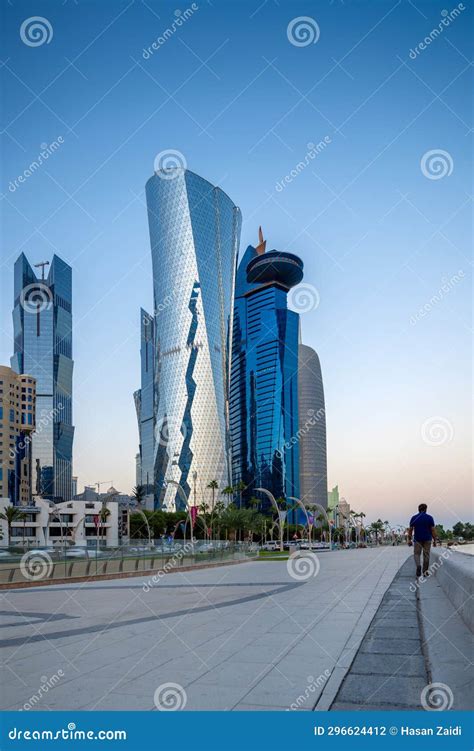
(273, 554)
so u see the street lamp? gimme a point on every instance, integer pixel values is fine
(186, 505)
(300, 503)
(195, 474)
(275, 504)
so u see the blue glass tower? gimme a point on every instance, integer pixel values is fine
(264, 374)
(194, 235)
(42, 324)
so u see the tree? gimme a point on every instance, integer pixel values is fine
(216, 515)
(239, 488)
(228, 491)
(458, 529)
(213, 486)
(10, 515)
(104, 513)
(139, 493)
(468, 531)
(157, 522)
(231, 520)
(377, 527)
(254, 503)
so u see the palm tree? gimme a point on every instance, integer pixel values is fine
(104, 513)
(240, 487)
(377, 527)
(213, 486)
(321, 519)
(231, 520)
(254, 503)
(228, 491)
(139, 493)
(10, 515)
(217, 512)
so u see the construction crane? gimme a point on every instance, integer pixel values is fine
(104, 482)
(41, 265)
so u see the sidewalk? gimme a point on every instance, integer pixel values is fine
(448, 644)
(417, 653)
(242, 637)
(389, 671)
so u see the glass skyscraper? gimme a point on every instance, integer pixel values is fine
(194, 234)
(42, 323)
(144, 404)
(312, 428)
(264, 374)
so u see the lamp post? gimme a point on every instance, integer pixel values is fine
(195, 474)
(186, 505)
(139, 511)
(275, 504)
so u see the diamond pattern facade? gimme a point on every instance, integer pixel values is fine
(194, 236)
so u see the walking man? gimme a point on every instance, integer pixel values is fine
(422, 529)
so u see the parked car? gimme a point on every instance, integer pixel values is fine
(314, 545)
(77, 552)
(206, 548)
(271, 545)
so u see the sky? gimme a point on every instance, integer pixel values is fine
(380, 215)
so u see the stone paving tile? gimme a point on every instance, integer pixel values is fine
(258, 708)
(203, 696)
(391, 646)
(232, 673)
(398, 620)
(388, 664)
(380, 630)
(342, 707)
(389, 670)
(399, 690)
(276, 690)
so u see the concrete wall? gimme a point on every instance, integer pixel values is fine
(455, 573)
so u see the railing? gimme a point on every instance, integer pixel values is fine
(18, 565)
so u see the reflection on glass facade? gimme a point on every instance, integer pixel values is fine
(264, 375)
(42, 322)
(312, 418)
(194, 235)
(144, 403)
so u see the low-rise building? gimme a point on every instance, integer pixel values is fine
(17, 424)
(68, 523)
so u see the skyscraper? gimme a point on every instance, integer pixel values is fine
(264, 374)
(42, 324)
(312, 428)
(194, 234)
(144, 404)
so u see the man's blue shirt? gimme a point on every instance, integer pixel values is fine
(422, 523)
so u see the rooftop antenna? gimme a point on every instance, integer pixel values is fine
(261, 243)
(41, 265)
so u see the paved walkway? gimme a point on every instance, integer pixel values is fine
(242, 637)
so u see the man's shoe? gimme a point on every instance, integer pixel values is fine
(426, 573)
(418, 571)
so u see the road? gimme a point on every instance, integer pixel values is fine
(249, 636)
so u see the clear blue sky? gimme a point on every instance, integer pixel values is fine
(241, 103)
